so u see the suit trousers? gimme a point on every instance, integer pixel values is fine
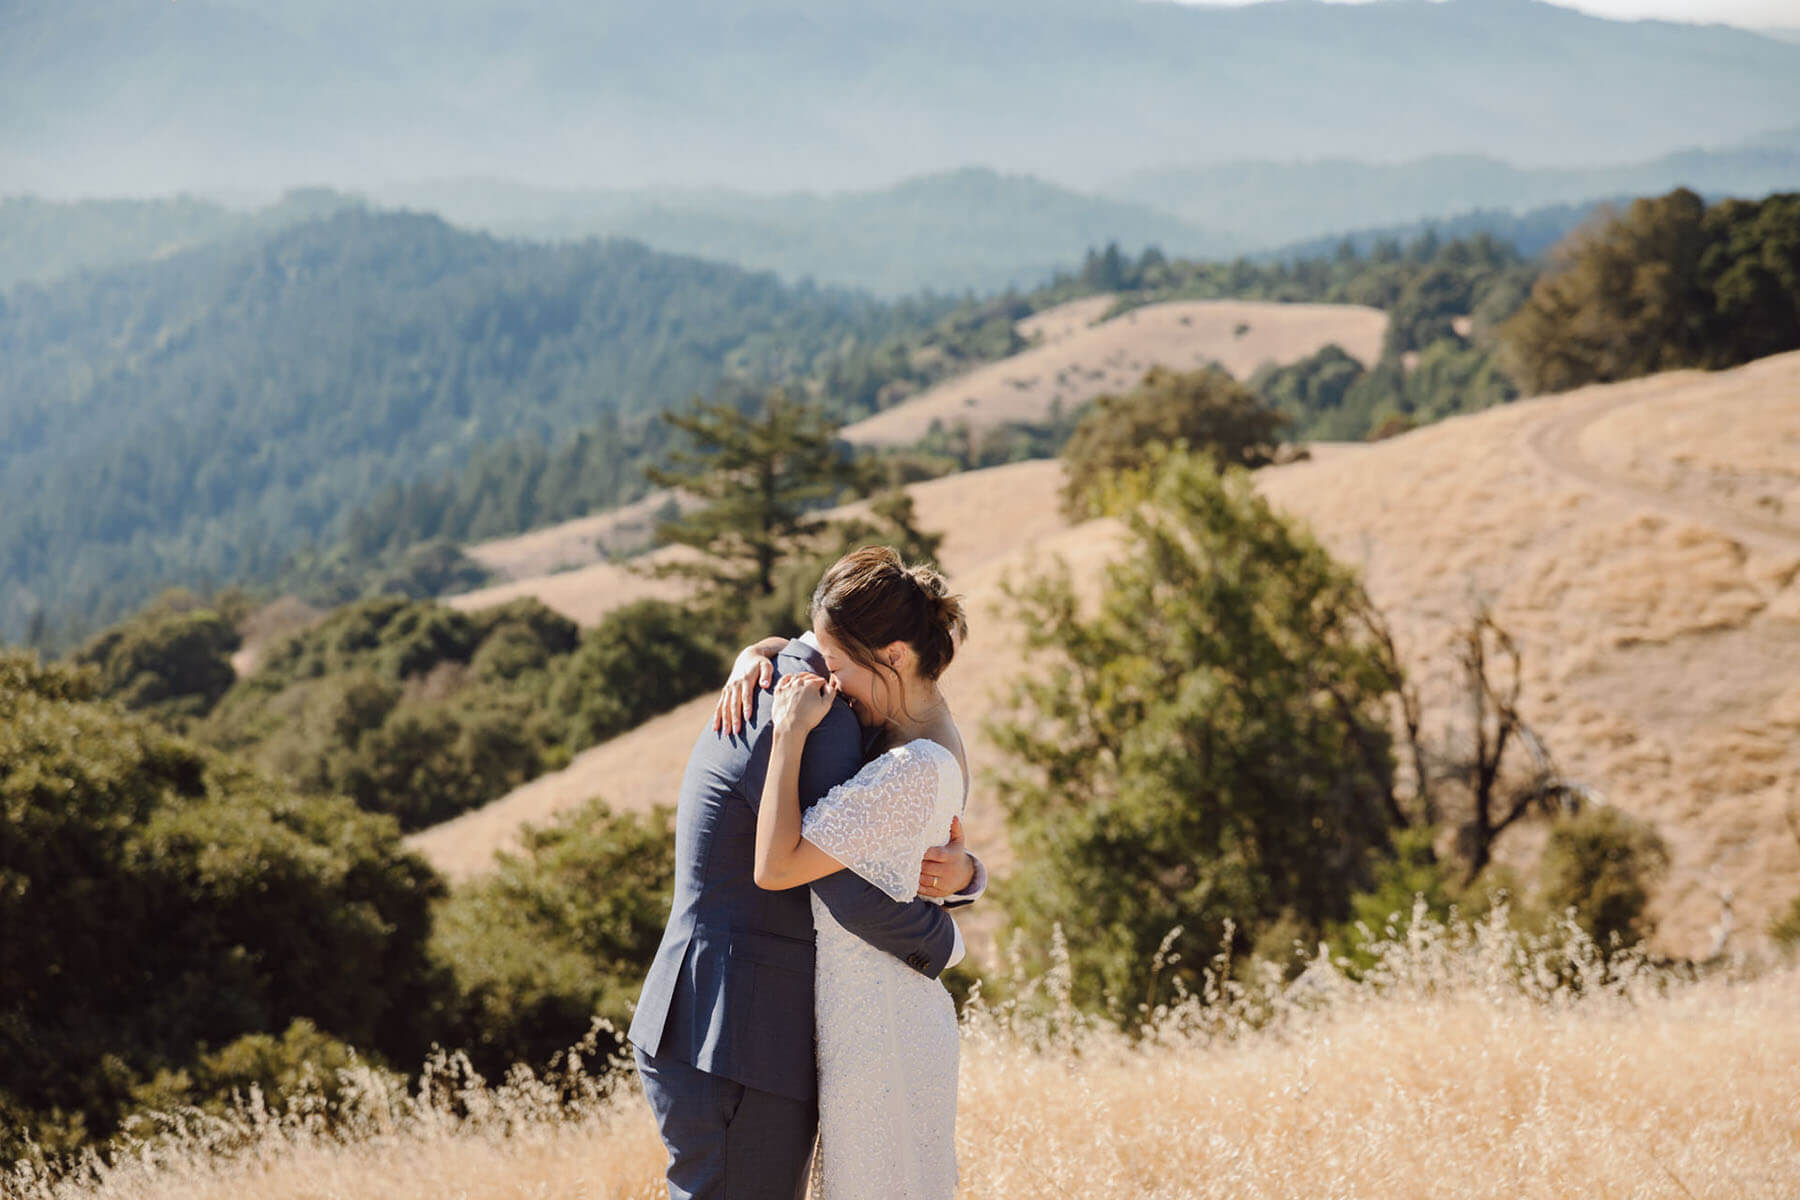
(727, 1141)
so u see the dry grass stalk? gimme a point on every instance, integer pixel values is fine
(1468, 1062)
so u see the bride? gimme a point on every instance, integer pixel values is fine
(887, 1035)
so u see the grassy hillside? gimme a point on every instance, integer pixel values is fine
(202, 417)
(1063, 373)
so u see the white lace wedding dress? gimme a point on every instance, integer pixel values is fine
(887, 1035)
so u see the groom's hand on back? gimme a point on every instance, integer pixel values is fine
(947, 869)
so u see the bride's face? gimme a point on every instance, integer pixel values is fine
(870, 694)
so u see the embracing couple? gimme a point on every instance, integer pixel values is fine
(831, 808)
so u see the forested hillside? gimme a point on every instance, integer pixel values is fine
(198, 419)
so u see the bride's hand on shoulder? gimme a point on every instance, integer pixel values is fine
(754, 670)
(802, 700)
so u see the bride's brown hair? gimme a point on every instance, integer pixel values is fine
(871, 598)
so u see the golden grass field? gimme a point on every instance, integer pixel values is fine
(1653, 584)
(1077, 360)
(1470, 1065)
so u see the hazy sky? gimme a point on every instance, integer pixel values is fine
(1729, 12)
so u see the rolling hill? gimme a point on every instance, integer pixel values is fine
(1644, 551)
(1088, 356)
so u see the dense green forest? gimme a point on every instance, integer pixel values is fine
(1670, 282)
(521, 483)
(1531, 233)
(199, 419)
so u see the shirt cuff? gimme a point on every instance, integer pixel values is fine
(957, 951)
(976, 886)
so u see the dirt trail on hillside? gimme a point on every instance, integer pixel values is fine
(1557, 443)
(1642, 543)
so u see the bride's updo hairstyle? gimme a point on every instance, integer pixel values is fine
(870, 598)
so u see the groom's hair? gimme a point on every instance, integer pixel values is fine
(870, 598)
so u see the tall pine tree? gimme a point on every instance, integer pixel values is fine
(762, 478)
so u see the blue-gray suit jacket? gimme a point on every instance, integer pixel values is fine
(731, 988)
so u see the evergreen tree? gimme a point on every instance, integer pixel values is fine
(763, 477)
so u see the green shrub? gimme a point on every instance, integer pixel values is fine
(562, 932)
(157, 898)
(1601, 863)
(1785, 929)
(409, 707)
(172, 661)
(302, 1061)
(1207, 409)
(1412, 874)
(639, 661)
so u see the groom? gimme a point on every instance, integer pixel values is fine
(723, 1033)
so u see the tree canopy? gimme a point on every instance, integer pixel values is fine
(1208, 410)
(1207, 745)
(157, 898)
(1670, 282)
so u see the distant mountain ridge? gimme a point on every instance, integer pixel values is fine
(43, 240)
(1266, 202)
(971, 229)
(125, 96)
(974, 229)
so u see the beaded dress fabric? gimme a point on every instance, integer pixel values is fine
(887, 1035)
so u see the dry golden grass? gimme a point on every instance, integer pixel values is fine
(584, 594)
(1659, 618)
(576, 543)
(1077, 361)
(1470, 1064)
(282, 616)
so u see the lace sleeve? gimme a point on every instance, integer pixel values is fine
(876, 822)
